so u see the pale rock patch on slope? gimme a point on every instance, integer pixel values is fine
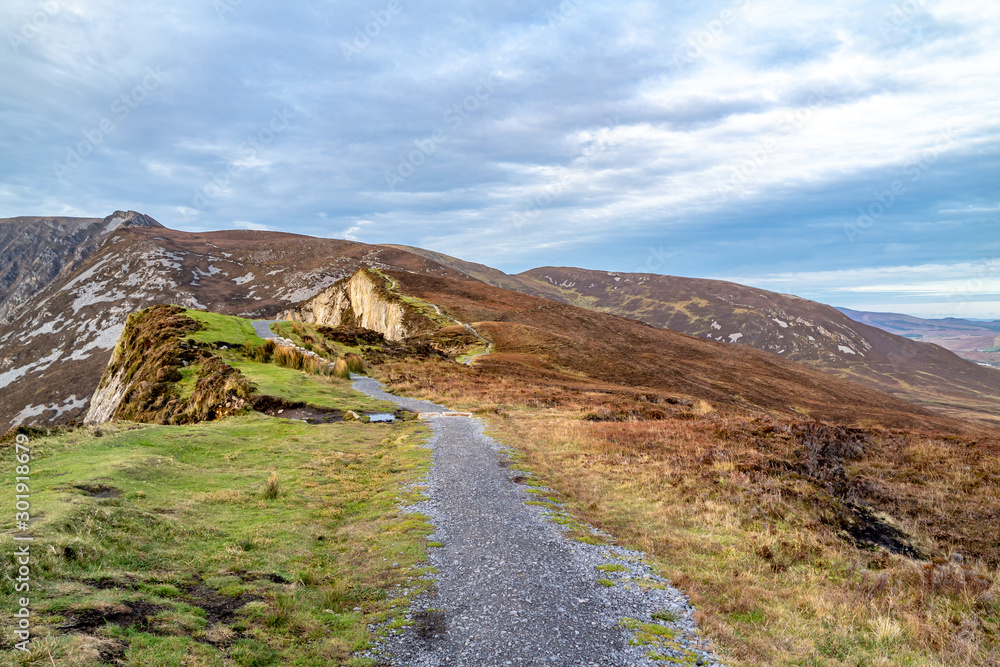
(42, 364)
(93, 293)
(105, 340)
(47, 327)
(307, 285)
(30, 411)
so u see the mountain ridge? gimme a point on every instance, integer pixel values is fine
(57, 351)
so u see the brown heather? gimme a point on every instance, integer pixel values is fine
(767, 522)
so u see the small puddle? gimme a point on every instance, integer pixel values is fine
(382, 417)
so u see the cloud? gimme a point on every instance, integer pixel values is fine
(967, 289)
(735, 138)
(351, 232)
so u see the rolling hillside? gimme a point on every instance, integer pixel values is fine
(785, 325)
(68, 296)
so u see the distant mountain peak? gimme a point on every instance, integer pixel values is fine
(129, 219)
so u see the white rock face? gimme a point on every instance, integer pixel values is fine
(106, 400)
(108, 395)
(359, 294)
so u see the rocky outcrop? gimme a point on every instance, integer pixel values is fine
(140, 383)
(365, 301)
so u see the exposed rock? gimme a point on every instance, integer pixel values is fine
(106, 399)
(364, 301)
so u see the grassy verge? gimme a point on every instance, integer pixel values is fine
(293, 385)
(232, 331)
(168, 545)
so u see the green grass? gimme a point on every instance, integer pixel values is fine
(293, 385)
(616, 567)
(657, 638)
(311, 567)
(227, 329)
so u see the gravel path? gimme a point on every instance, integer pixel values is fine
(263, 328)
(511, 588)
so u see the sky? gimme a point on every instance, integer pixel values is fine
(847, 152)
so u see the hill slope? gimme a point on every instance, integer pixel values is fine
(538, 338)
(71, 309)
(37, 251)
(791, 327)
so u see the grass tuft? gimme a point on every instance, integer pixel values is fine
(273, 486)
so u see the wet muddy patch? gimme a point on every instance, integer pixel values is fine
(275, 406)
(95, 490)
(218, 608)
(133, 614)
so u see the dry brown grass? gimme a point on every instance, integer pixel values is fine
(750, 513)
(273, 487)
(296, 359)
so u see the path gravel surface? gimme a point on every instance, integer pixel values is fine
(263, 328)
(512, 589)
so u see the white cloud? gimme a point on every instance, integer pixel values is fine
(967, 289)
(597, 144)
